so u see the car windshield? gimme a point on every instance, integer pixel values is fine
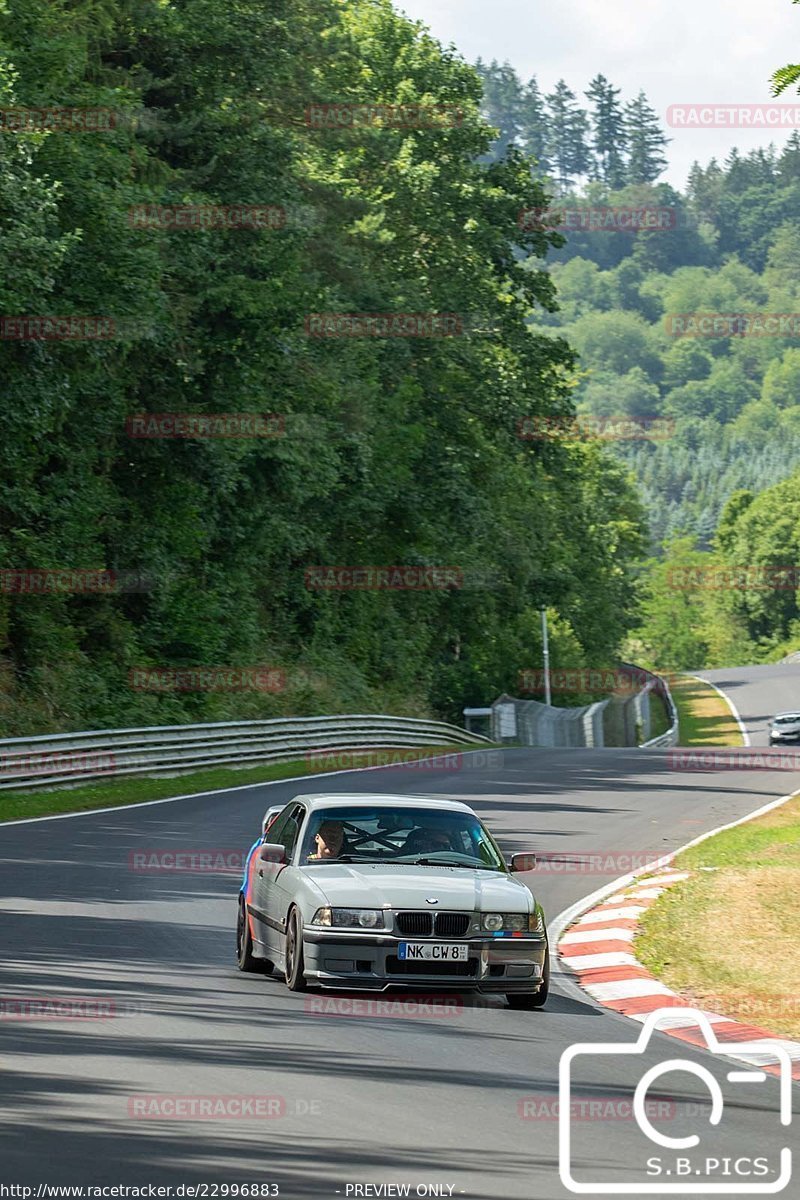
(787, 719)
(413, 836)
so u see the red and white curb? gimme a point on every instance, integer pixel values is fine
(598, 948)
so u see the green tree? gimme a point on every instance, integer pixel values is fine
(502, 103)
(397, 450)
(781, 385)
(533, 126)
(674, 605)
(568, 131)
(646, 142)
(609, 134)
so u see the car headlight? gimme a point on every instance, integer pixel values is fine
(536, 921)
(350, 918)
(509, 922)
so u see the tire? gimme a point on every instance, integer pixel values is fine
(532, 1000)
(245, 958)
(294, 965)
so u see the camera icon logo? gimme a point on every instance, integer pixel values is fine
(695, 1181)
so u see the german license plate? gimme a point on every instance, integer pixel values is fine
(432, 952)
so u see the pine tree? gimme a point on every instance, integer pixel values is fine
(646, 142)
(502, 101)
(789, 161)
(609, 136)
(533, 121)
(567, 136)
(737, 176)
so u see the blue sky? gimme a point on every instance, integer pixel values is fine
(679, 51)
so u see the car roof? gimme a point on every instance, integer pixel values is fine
(370, 800)
(791, 713)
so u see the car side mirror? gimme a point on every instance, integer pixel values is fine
(272, 852)
(522, 862)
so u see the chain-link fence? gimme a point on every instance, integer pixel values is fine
(620, 720)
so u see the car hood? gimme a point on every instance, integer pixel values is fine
(369, 885)
(786, 727)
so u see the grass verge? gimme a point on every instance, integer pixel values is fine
(727, 936)
(107, 793)
(704, 717)
(659, 719)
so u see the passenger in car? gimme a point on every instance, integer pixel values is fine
(328, 839)
(426, 841)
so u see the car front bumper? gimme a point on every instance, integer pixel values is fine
(354, 960)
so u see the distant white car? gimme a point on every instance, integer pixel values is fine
(785, 727)
(374, 892)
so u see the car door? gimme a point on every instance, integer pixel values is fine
(261, 875)
(274, 880)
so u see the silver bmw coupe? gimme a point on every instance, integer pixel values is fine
(376, 892)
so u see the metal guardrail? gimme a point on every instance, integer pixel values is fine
(670, 738)
(68, 758)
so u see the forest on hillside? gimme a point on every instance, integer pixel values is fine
(374, 451)
(728, 402)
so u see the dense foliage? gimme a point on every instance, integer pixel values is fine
(732, 246)
(396, 450)
(734, 603)
(720, 414)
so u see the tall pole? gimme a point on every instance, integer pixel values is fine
(546, 656)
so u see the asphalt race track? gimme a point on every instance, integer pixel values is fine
(463, 1100)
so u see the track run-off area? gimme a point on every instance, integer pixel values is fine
(461, 1101)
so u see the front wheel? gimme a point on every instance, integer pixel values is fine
(245, 958)
(294, 969)
(531, 1000)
